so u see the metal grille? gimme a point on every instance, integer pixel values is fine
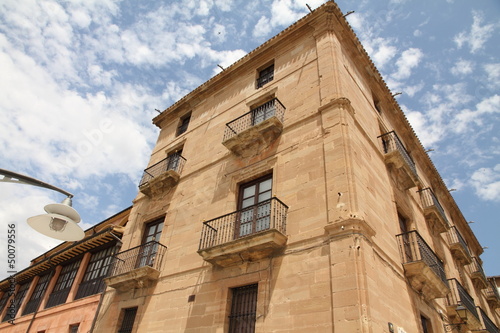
(17, 301)
(412, 248)
(391, 142)
(128, 320)
(173, 161)
(454, 237)
(37, 295)
(429, 200)
(183, 125)
(266, 75)
(460, 296)
(475, 267)
(97, 269)
(149, 254)
(63, 284)
(488, 323)
(243, 309)
(255, 116)
(269, 214)
(492, 290)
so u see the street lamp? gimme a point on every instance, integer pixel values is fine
(61, 220)
(462, 314)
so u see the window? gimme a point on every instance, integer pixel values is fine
(63, 284)
(426, 324)
(128, 320)
(183, 124)
(254, 206)
(74, 328)
(17, 301)
(97, 269)
(243, 309)
(265, 75)
(174, 160)
(37, 295)
(148, 253)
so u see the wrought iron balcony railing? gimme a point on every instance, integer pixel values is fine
(477, 273)
(173, 162)
(432, 207)
(491, 292)
(413, 248)
(458, 245)
(391, 142)
(254, 117)
(269, 214)
(148, 254)
(488, 324)
(459, 296)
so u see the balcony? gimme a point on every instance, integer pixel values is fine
(162, 175)
(477, 274)
(397, 155)
(488, 325)
(248, 234)
(255, 130)
(458, 246)
(137, 267)
(433, 211)
(459, 296)
(424, 270)
(492, 295)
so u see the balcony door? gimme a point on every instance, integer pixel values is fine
(403, 225)
(263, 112)
(149, 248)
(254, 207)
(174, 160)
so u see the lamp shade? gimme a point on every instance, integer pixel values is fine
(61, 222)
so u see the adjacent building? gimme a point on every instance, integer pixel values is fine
(61, 290)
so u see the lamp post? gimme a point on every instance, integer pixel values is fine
(61, 220)
(462, 314)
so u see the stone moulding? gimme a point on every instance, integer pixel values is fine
(253, 140)
(249, 248)
(138, 278)
(424, 280)
(348, 226)
(160, 183)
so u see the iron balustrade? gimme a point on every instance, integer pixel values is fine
(489, 325)
(492, 291)
(269, 214)
(148, 254)
(454, 237)
(173, 161)
(429, 199)
(391, 142)
(255, 116)
(459, 296)
(475, 267)
(413, 248)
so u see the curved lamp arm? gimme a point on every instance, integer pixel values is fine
(13, 177)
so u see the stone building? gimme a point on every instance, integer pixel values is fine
(289, 193)
(61, 290)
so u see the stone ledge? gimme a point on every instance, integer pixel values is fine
(423, 279)
(249, 248)
(160, 183)
(137, 278)
(352, 225)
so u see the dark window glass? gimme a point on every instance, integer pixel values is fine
(183, 124)
(266, 75)
(37, 295)
(63, 284)
(263, 112)
(18, 300)
(174, 160)
(243, 309)
(254, 207)
(426, 325)
(97, 269)
(148, 252)
(74, 328)
(128, 320)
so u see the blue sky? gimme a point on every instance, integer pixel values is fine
(81, 81)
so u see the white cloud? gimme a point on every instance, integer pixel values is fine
(462, 67)
(486, 182)
(408, 60)
(493, 73)
(478, 34)
(262, 28)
